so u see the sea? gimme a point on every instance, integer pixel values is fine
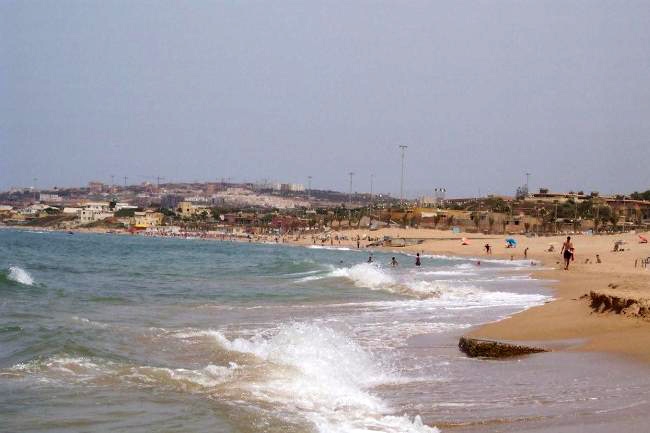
(124, 333)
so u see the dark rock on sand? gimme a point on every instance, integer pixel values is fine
(477, 348)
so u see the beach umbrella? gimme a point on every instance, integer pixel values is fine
(643, 239)
(464, 241)
(511, 241)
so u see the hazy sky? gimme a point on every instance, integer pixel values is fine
(480, 91)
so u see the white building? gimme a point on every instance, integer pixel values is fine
(88, 216)
(34, 209)
(197, 199)
(50, 198)
(95, 211)
(72, 210)
(120, 206)
(97, 206)
(296, 187)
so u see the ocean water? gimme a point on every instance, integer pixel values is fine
(130, 334)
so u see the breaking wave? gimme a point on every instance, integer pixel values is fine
(322, 374)
(301, 372)
(19, 275)
(374, 277)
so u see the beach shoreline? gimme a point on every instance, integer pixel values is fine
(569, 322)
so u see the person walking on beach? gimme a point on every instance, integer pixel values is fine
(526, 253)
(567, 252)
(488, 249)
(417, 259)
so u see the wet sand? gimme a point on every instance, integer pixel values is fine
(569, 317)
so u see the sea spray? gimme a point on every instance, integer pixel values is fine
(323, 375)
(19, 275)
(375, 277)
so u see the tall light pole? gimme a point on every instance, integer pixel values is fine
(403, 148)
(527, 179)
(35, 180)
(350, 199)
(372, 178)
(308, 186)
(350, 192)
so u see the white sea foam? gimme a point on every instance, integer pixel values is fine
(83, 369)
(320, 375)
(325, 247)
(20, 275)
(59, 366)
(375, 277)
(449, 272)
(207, 377)
(90, 323)
(310, 278)
(504, 262)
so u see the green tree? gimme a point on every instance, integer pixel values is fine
(614, 218)
(126, 213)
(476, 218)
(645, 195)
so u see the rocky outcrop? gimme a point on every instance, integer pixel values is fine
(606, 302)
(477, 348)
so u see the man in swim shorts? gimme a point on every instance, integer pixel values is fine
(567, 252)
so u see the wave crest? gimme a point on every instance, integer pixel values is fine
(19, 275)
(322, 374)
(374, 277)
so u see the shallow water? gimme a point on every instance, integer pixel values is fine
(134, 334)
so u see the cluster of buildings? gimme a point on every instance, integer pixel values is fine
(254, 208)
(84, 214)
(147, 205)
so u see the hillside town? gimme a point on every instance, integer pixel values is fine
(216, 209)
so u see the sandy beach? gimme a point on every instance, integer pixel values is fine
(568, 322)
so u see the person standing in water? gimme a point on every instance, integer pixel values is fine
(417, 259)
(369, 259)
(393, 262)
(567, 252)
